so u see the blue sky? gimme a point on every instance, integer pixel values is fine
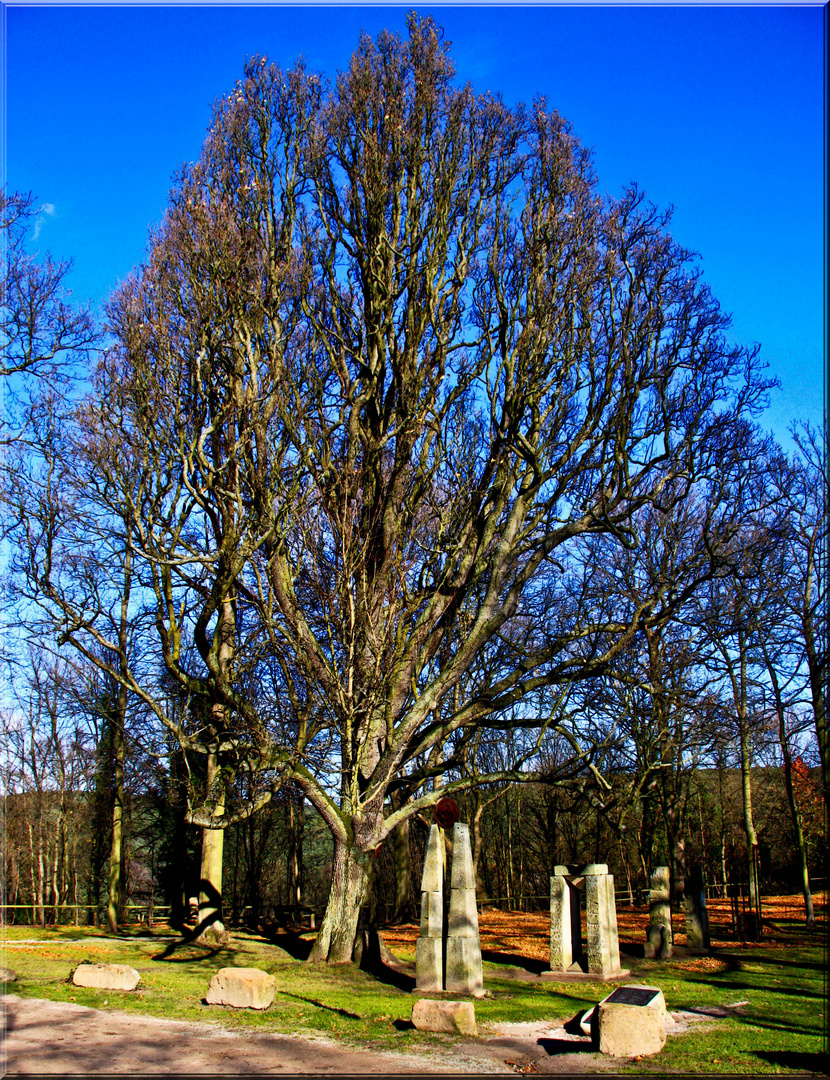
(715, 110)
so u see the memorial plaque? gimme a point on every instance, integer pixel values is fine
(629, 995)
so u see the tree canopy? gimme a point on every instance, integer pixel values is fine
(393, 375)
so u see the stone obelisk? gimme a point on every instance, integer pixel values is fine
(464, 974)
(429, 949)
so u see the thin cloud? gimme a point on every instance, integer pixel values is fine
(47, 210)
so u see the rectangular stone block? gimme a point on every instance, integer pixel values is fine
(596, 917)
(454, 1017)
(463, 914)
(595, 869)
(429, 963)
(631, 1021)
(613, 932)
(598, 928)
(106, 976)
(432, 914)
(464, 972)
(561, 950)
(241, 988)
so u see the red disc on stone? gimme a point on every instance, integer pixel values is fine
(446, 812)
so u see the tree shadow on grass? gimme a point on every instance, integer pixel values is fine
(189, 942)
(736, 960)
(320, 1005)
(378, 960)
(289, 942)
(536, 967)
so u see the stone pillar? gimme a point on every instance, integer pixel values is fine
(464, 972)
(429, 949)
(697, 917)
(659, 941)
(601, 911)
(565, 919)
(561, 941)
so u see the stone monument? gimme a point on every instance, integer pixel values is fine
(659, 943)
(429, 948)
(601, 955)
(463, 946)
(697, 917)
(630, 1022)
(448, 950)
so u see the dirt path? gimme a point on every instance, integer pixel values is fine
(47, 1037)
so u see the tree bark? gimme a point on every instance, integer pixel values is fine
(114, 898)
(178, 884)
(350, 882)
(749, 827)
(210, 926)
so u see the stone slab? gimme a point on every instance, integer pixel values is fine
(454, 1017)
(241, 988)
(106, 976)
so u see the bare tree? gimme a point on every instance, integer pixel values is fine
(40, 331)
(391, 363)
(800, 584)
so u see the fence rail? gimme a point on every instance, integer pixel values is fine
(151, 912)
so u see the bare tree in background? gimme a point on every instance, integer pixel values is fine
(40, 330)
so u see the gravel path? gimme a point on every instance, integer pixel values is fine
(51, 1037)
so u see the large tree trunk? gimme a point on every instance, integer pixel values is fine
(350, 881)
(753, 929)
(818, 673)
(114, 899)
(404, 894)
(210, 926)
(404, 908)
(178, 884)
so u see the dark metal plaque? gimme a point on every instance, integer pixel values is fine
(627, 995)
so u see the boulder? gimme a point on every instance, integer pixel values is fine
(455, 1017)
(631, 1022)
(241, 988)
(106, 976)
(7, 975)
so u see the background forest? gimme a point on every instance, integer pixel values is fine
(407, 465)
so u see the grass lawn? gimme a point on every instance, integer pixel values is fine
(780, 1028)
